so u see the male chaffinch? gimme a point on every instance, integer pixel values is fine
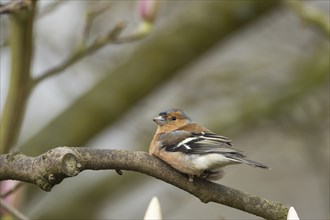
(193, 149)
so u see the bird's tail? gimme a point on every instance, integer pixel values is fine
(242, 159)
(253, 163)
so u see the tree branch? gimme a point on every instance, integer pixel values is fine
(171, 52)
(21, 50)
(14, 6)
(50, 168)
(50, 8)
(83, 51)
(311, 16)
(96, 11)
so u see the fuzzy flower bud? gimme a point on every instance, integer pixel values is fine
(148, 10)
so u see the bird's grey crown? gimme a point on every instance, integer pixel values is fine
(171, 110)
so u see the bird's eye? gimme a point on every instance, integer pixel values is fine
(173, 118)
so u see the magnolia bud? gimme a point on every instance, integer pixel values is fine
(148, 10)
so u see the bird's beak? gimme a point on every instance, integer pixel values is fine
(160, 120)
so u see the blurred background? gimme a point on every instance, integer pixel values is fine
(254, 71)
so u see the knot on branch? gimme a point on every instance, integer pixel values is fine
(55, 165)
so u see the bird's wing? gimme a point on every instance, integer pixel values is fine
(196, 143)
(202, 143)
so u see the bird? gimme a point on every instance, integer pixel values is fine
(193, 149)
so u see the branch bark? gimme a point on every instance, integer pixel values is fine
(21, 50)
(50, 168)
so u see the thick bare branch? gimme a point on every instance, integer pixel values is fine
(50, 168)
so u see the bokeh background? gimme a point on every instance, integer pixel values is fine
(255, 71)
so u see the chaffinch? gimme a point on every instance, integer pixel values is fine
(193, 149)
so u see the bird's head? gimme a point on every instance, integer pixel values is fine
(174, 118)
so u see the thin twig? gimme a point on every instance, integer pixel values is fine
(91, 15)
(14, 6)
(12, 210)
(111, 37)
(50, 7)
(50, 168)
(310, 15)
(47, 10)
